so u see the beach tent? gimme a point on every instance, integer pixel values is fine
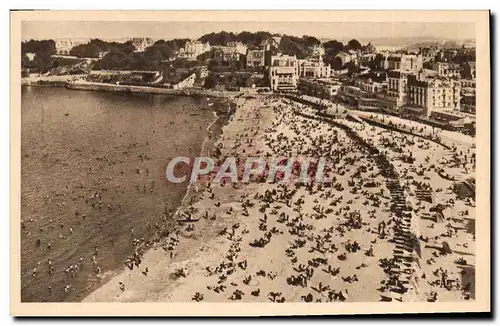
(446, 248)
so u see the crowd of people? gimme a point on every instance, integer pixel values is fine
(363, 236)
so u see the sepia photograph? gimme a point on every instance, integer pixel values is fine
(179, 163)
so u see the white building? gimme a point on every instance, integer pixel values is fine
(434, 94)
(411, 63)
(445, 69)
(240, 47)
(283, 73)
(313, 69)
(193, 49)
(63, 46)
(141, 43)
(397, 87)
(256, 58)
(322, 88)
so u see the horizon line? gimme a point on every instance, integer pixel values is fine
(24, 39)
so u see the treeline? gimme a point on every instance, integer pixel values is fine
(334, 47)
(292, 45)
(248, 38)
(42, 50)
(301, 47)
(44, 47)
(124, 58)
(95, 47)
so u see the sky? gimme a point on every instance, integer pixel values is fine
(342, 31)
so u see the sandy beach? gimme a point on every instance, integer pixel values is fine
(377, 232)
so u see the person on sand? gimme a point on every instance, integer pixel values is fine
(381, 229)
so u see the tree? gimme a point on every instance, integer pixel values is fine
(221, 38)
(252, 39)
(260, 37)
(336, 63)
(44, 47)
(95, 47)
(43, 51)
(210, 82)
(245, 37)
(165, 49)
(89, 50)
(103, 45)
(114, 60)
(351, 67)
(43, 61)
(25, 61)
(292, 45)
(168, 49)
(127, 47)
(353, 45)
(311, 40)
(333, 47)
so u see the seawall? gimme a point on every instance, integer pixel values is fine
(88, 86)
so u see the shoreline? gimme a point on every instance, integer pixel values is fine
(219, 120)
(214, 120)
(192, 196)
(104, 87)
